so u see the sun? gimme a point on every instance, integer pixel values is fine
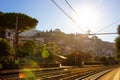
(88, 17)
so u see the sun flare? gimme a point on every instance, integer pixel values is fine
(88, 17)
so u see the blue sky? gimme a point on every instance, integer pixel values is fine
(93, 14)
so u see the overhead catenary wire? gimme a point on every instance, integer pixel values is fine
(108, 26)
(68, 16)
(101, 34)
(79, 25)
(71, 8)
(88, 27)
(68, 3)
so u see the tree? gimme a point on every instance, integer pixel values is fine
(25, 22)
(6, 48)
(118, 30)
(29, 48)
(117, 48)
(6, 54)
(47, 57)
(117, 45)
(27, 51)
(21, 52)
(17, 22)
(1, 13)
(2, 32)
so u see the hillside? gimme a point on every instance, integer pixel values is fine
(72, 42)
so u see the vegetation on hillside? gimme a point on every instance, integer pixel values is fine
(57, 48)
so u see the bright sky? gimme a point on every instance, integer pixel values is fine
(92, 15)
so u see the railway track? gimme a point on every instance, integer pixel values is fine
(15, 74)
(87, 73)
(95, 76)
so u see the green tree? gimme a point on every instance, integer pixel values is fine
(117, 48)
(40, 48)
(25, 22)
(27, 51)
(117, 45)
(18, 22)
(118, 30)
(29, 48)
(21, 52)
(6, 54)
(6, 48)
(1, 13)
(46, 56)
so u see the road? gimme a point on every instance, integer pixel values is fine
(113, 75)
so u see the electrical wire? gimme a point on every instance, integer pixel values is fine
(71, 7)
(108, 26)
(101, 34)
(67, 2)
(78, 24)
(88, 27)
(68, 16)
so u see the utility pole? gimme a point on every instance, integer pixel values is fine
(75, 38)
(16, 34)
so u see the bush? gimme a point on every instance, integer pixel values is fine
(6, 54)
(6, 48)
